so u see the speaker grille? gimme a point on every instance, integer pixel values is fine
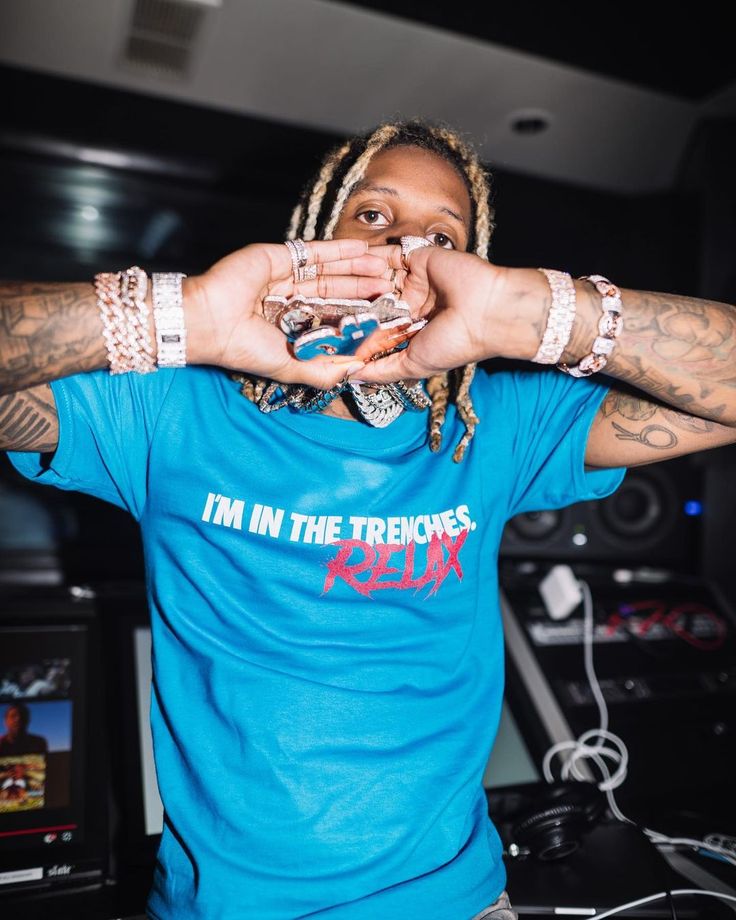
(643, 522)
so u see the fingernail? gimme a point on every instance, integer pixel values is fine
(355, 367)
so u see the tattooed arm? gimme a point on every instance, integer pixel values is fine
(47, 331)
(676, 355)
(631, 431)
(680, 355)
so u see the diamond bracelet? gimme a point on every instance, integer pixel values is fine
(610, 326)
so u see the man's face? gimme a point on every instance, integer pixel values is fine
(408, 191)
(13, 721)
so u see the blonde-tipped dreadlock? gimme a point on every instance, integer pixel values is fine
(319, 210)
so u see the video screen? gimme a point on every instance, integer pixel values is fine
(41, 741)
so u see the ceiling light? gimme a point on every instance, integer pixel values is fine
(529, 121)
(89, 212)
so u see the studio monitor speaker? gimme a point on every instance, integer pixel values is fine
(653, 518)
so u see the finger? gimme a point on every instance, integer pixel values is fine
(395, 258)
(397, 277)
(322, 373)
(320, 252)
(390, 252)
(343, 287)
(346, 286)
(387, 338)
(363, 265)
(398, 366)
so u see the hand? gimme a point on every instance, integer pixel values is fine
(225, 325)
(476, 310)
(459, 293)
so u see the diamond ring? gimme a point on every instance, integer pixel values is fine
(409, 244)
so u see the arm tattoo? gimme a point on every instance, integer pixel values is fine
(679, 350)
(28, 420)
(47, 331)
(627, 406)
(688, 422)
(630, 406)
(656, 436)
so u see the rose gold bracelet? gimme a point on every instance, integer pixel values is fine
(107, 287)
(610, 326)
(133, 289)
(124, 314)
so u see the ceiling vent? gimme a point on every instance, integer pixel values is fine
(163, 35)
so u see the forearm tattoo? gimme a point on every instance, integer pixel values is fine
(679, 350)
(28, 420)
(47, 331)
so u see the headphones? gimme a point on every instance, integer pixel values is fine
(546, 821)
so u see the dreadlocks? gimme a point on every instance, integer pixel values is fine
(321, 205)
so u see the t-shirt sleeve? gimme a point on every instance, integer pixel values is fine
(551, 414)
(106, 427)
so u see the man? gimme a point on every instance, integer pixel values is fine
(323, 592)
(17, 739)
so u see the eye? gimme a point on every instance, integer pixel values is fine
(373, 217)
(440, 239)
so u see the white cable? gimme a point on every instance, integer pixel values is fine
(580, 750)
(659, 896)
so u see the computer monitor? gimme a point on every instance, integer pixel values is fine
(52, 757)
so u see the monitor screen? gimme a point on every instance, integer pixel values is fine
(50, 751)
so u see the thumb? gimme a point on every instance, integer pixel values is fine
(324, 373)
(398, 366)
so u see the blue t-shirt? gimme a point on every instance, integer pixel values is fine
(327, 641)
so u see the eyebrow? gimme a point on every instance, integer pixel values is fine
(366, 186)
